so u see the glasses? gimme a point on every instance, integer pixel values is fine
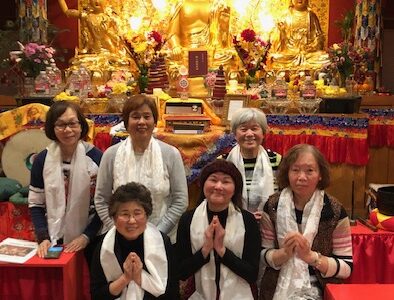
(63, 126)
(126, 217)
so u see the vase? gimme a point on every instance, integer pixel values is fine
(143, 82)
(26, 88)
(251, 81)
(342, 79)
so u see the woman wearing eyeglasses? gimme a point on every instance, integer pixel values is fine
(134, 260)
(142, 158)
(62, 184)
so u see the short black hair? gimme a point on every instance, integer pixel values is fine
(56, 110)
(131, 192)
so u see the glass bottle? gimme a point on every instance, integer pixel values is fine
(279, 89)
(74, 83)
(86, 83)
(41, 84)
(58, 74)
(308, 89)
(52, 80)
(351, 85)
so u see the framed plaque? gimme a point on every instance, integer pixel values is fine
(233, 102)
(198, 63)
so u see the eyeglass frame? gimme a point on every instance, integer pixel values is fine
(71, 125)
(126, 217)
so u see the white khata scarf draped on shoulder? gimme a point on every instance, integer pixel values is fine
(151, 170)
(231, 285)
(66, 219)
(294, 278)
(154, 281)
(262, 185)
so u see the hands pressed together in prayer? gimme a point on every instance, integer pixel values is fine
(214, 238)
(133, 268)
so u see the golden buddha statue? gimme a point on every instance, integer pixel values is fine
(298, 41)
(102, 50)
(200, 24)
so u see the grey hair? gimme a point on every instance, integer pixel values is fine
(246, 114)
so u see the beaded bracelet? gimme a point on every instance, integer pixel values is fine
(317, 262)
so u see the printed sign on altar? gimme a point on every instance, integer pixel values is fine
(198, 63)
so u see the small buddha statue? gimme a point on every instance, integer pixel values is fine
(298, 41)
(98, 29)
(196, 24)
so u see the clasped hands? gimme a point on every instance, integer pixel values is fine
(132, 268)
(214, 238)
(296, 244)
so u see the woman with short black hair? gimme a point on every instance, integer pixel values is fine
(134, 260)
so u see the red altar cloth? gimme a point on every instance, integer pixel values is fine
(381, 135)
(65, 278)
(15, 222)
(373, 256)
(359, 291)
(337, 150)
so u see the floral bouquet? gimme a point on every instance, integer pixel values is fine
(25, 64)
(32, 58)
(252, 50)
(348, 59)
(144, 50)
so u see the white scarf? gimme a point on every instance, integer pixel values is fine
(262, 185)
(66, 222)
(294, 275)
(154, 281)
(231, 285)
(151, 171)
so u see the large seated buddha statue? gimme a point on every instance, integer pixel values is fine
(201, 25)
(298, 41)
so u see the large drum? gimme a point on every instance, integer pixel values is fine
(19, 153)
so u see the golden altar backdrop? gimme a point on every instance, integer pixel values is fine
(142, 16)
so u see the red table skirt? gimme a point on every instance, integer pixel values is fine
(373, 256)
(380, 135)
(44, 279)
(359, 292)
